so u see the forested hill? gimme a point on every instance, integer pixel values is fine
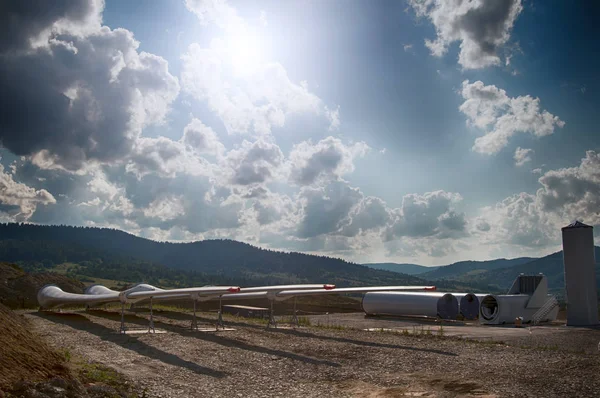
(98, 249)
(466, 268)
(410, 269)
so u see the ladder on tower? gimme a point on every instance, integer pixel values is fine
(544, 310)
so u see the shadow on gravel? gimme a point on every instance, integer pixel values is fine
(116, 316)
(360, 342)
(224, 341)
(183, 316)
(129, 342)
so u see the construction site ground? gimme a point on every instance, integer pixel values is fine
(333, 357)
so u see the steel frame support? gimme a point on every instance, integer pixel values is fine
(151, 324)
(122, 329)
(272, 321)
(220, 323)
(194, 325)
(295, 322)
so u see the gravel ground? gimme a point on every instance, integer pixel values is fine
(554, 336)
(317, 361)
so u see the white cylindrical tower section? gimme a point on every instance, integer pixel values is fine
(442, 305)
(580, 274)
(469, 304)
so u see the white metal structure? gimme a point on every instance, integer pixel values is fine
(580, 274)
(276, 293)
(271, 292)
(442, 305)
(99, 289)
(527, 298)
(140, 293)
(52, 296)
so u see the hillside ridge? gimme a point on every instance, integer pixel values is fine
(38, 247)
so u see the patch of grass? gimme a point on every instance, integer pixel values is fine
(97, 373)
(418, 331)
(441, 332)
(334, 326)
(67, 354)
(421, 331)
(90, 373)
(302, 320)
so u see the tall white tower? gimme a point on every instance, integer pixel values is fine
(580, 274)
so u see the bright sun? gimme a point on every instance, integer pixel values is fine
(245, 52)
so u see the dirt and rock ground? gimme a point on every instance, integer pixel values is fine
(334, 357)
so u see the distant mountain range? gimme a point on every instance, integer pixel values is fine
(91, 253)
(113, 254)
(466, 268)
(409, 269)
(494, 274)
(552, 266)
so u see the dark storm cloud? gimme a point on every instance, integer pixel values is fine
(77, 97)
(23, 20)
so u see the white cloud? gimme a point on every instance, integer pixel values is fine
(430, 214)
(272, 207)
(165, 208)
(21, 196)
(255, 163)
(501, 117)
(534, 220)
(325, 209)
(573, 192)
(371, 213)
(160, 155)
(519, 220)
(263, 18)
(202, 139)
(482, 225)
(239, 83)
(334, 118)
(94, 166)
(90, 88)
(328, 159)
(522, 156)
(407, 47)
(537, 171)
(101, 186)
(482, 27)
(218, 12)
(246, 104)
(35, 26)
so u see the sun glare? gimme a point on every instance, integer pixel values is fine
(245, 51)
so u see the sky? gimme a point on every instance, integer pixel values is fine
(417, 131)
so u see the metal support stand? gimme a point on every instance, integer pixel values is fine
(295, 322)
(272, 321)
(122, 329)
(194, 325)
(151, 324)
(220, 323)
